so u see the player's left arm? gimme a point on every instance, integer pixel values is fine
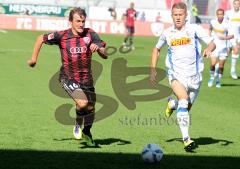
(203, 35)
(227, 37)
(98, 45)
(230, 33)
(207, 51)
(102, 52)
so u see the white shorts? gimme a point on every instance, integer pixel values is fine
(235, 30)
(220, 52)
(192, 85)
(235, 40)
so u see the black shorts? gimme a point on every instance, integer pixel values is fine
(130, 29)
(71, 85)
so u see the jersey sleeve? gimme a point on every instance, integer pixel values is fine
(96, 40)
(52, 38)
(161, 41)
(202, 34)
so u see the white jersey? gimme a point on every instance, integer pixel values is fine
(184, 49)
(220, 30)
(234, 22)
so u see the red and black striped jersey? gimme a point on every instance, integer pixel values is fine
(75, 53)
(131, 15)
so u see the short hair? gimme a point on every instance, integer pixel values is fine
(236, 0)
(79, 11)
(220, 9)
(180, 5)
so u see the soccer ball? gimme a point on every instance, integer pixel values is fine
(152, 153)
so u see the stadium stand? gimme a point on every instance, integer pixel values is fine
(154, 4)
(206, 8)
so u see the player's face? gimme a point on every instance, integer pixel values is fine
(220, 16)
(78, 23)
(236, 5)
(132, 5)
(179, 17)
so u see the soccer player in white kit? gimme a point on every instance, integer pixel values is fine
(221, 34)
(234, 21)
(184, 65)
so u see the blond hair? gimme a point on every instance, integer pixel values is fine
(180, 5)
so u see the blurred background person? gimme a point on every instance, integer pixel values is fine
(233, 17)
(143, 17)
(113, 12)
(197, 20)
(158, 17)
(129, 20)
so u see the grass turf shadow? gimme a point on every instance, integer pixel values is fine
(24, 159)
(99, 142)
(205, 141)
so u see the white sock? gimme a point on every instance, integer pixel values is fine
(211, 74)
(220, 76)
(217, 66)
(234, 62)
(216, 69)
(183, 118)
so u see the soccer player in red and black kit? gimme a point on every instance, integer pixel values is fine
(129, 19)
(76, 45)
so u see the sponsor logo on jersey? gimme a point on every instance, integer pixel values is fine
(75, 50)
(181, 41)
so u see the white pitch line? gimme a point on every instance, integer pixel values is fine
(3, 31)
(23, 50)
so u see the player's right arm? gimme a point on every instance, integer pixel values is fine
(37, 47)
(52, 38)
(154, 60)
(155, 56)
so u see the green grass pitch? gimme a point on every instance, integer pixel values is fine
(36, 115)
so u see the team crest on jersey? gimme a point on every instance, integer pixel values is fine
(180, 41)
(86, 40)
(50, 36)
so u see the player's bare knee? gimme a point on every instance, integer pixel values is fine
(91, 108)
(81, 104)
(235, 51)
(212, 67)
